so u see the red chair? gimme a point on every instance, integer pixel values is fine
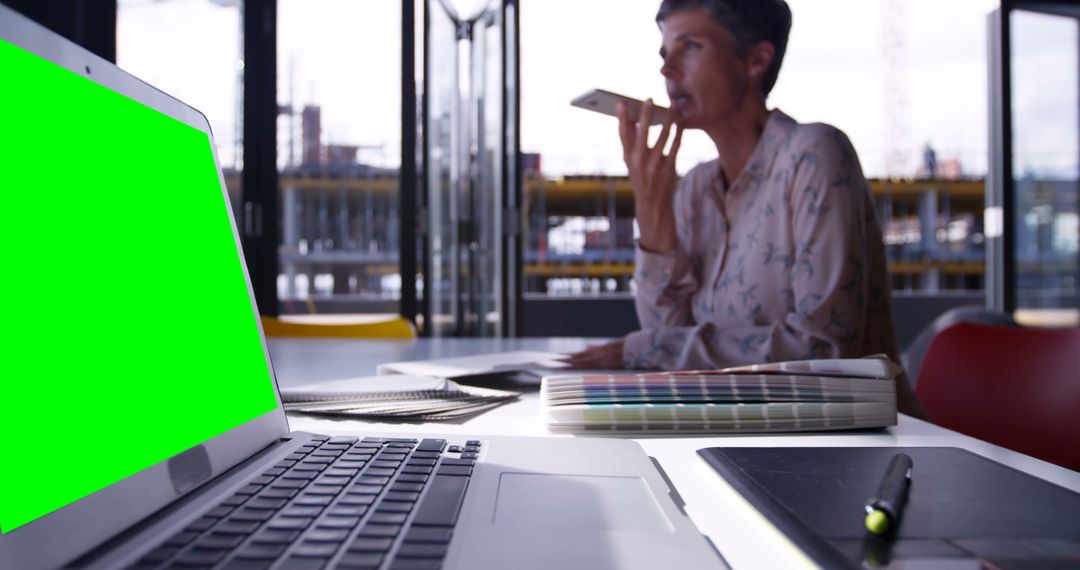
(1014, 387)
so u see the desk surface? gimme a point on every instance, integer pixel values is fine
(741, 534)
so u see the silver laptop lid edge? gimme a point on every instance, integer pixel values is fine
(93, 519)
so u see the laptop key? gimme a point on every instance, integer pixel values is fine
(412, 478)
(261, 551)
(424, 461)
(278, 493)
(327, 535)
(343, 439)
(182, 538)
(457, 461)
(468, 456)
(309, 467)
(328, 479)
(301, 511)
(456, 470)
(161, 554)
(471, 449)
(219, 541)
(249, 489)
(317, 461)
(431, 445)
(262, 480)
(391, 456)
(347, 510)
(219, 512)
(442, 502)
(379, 530)
(368, 480)
(306, 500)
(200, 557)
(394, 507)
(420, 550)
(438, 535)
(301, 563)
(251, 515)
(262, 503)
(379, 472)
(426, 454)
(273, 471)
(416, 469)
(290, 484)
(473, 443)
(361, 560)
(454, 449)
(401, 496)
(310, 549)
(304, 475)
(201, 524)
(231, 526)
(357, 500)
(388, 518)
(338, 471)
(360, 489)
(415, 564)
(285, 463)
(285, 523)
(234, 501)
(270, 536)
(385, 464)
(338, 522)
(246, 564)
(400, 487)
(371, 544)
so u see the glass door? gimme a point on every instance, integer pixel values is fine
(471, 171)
(1041, 161)
(442, 147)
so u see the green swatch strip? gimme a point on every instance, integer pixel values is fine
(126, 334)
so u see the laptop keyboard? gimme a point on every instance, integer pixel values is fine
(338, 502)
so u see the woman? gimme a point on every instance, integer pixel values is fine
(770, 252)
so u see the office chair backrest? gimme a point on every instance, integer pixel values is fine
(1014, 387)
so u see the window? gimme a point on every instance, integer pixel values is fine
(906, 81)
(339, 154)
(154, 42)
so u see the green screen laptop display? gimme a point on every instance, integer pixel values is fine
(127, 335)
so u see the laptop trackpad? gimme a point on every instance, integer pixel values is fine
(577, 502)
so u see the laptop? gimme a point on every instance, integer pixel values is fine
(141, 421)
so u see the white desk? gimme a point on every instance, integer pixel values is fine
(742, 535)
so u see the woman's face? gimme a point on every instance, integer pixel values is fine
(707, 80)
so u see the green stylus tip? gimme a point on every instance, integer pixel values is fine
(877, 522)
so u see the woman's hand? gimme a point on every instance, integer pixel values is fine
(598, 357)
(652, 176)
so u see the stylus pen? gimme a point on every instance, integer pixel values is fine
(884, 509)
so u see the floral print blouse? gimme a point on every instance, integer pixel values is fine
(786, 263)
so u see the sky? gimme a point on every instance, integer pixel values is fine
(345, 56)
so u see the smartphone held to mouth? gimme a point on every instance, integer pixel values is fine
(605, 102)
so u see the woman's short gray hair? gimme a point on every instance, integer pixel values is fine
(749, 21)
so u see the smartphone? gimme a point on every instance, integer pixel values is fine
(604, 102)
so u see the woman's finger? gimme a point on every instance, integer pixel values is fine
(675, 143)
(643, 125)
(626, 129)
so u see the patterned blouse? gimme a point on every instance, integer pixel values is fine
(787, 263)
